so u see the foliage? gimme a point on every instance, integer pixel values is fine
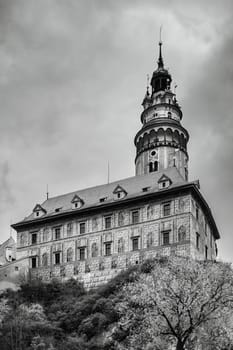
(171, 304)
(158, 304)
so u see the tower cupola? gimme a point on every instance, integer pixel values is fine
(161, 79)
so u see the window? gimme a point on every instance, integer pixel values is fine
(166, 209)
(34, 238)
(108, 248)
(57, 232)
(150, 167)
(206, 252)
(69, 229)
(166, 237)
(34, 262)
(103, 199)
(135, 243)
(57, 258)
(82, 227)
(135, 217)
(145, 189)
(108, 222)
(37, 213)
(197, 240)
(197, 212)
(57, 210)
(118, 195)
(153, 166)
(82, 253)
(16, 268)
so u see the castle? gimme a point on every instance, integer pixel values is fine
(93, 233)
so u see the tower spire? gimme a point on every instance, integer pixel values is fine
(160, 60)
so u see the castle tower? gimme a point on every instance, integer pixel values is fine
(162, 141)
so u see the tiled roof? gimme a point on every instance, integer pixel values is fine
(91, 196)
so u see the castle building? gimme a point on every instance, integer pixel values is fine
(94, 233)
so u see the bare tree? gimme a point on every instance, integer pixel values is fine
(173, 304)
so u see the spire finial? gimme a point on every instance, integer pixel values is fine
(160, 60)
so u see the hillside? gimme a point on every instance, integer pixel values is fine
(161, 304)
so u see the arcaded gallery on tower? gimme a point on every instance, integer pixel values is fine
(93, 233)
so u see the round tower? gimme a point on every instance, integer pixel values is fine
(162, 141)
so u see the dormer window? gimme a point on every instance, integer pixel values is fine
(39, 211)
(145, 189)
(164, 182)
(119, 193)
(77, 202)
(58, 209)
(103, 199)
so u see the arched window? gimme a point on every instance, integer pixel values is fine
(45, 259)
(153, 166)
(69, 256)
(149, 240)
(120, 245)
(94, 250)
(150, 167)
(181, 233)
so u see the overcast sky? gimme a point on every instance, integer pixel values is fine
(72, 79)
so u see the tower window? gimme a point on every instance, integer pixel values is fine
(197, 240)
(153, 166)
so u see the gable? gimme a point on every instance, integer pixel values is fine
(164, 178)
(76, 199)
(37, 208)
(119, 189)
